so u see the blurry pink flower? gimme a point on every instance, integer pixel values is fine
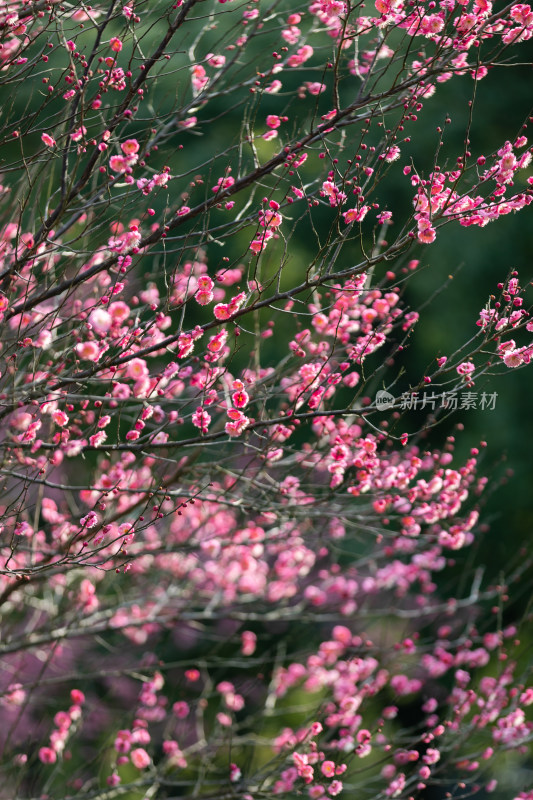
(216, 61)
(140, 758)
(79, 133)
(249, 641)
(47, 755)
(88, 351)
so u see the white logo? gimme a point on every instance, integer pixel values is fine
(384, 400)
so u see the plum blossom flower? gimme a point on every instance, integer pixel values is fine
(199, 78)
(118, 163)
(23, 529)
(273, 121)
(273, 87)
(78, 134)
(100, 320)
(291, 34)
(60, 418)
(216, 61)
(130, 147)
(466, 368)
(88, 351)
(335, 196)
(223, 183)
(248, 643)
(392, 154)
(301, 56)
(314, 87)
(140, 758)
(201, 419)
(89, 520)
(258, 245)
(513, 358)
(47, 755)
(270, 219)
(355, 214)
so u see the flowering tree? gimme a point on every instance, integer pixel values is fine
(223, 558)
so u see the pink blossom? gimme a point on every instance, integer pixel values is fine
(274, 87)
(140, 758)
(23, 529)
(355, 214)
(223, 183)
(301, 56)
(258, 245)
(222, 311)
(426, 232)
(47, 755)
(199, 78)
(123, 741)
(315, 88)
(137, 368)
(271, 219)
(118, 311)
(291, 34)
(100, 320)
(188, 122)
(88, 351)
(396, 786)
(78, 134)
(130, 147)
(240, 398)
(181, 709)
(216, 342)
(328, 768)
(89, 520)
(118, 163)
(465, 368)
(273, 121)
(60, 418)
(216, 61)
(513, 358)
(392, 154)
(201, 419)
(15, 695)
(248, 643)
